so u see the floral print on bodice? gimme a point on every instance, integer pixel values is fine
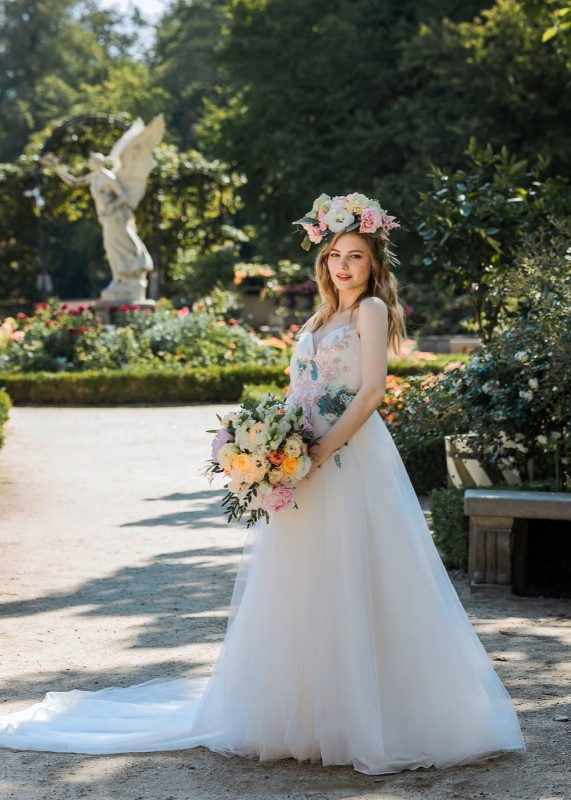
(326, 377)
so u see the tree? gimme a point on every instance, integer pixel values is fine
(183, 63)
(475, 219)
(57, 56)
(343, 96)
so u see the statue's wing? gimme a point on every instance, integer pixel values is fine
(133, 155)
(137, 127)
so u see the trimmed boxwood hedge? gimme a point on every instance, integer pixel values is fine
(137, 385)
(5, 404)
(149, 384)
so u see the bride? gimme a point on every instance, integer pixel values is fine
(346, 643)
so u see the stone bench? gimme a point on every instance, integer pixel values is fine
(493, 560)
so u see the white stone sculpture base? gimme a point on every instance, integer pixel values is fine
(129, 291)
(107, 309)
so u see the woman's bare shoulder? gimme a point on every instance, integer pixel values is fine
(371, 308)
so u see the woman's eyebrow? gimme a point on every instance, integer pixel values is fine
(334, 250)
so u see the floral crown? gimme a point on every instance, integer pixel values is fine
(354, 212)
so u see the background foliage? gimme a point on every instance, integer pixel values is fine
(268, 103)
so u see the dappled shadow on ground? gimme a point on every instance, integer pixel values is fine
(201, 508)
(185, 593)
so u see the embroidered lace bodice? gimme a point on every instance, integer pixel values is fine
(326, 377)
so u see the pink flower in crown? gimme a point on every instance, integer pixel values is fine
(279, 498)
(388, 223)
(313, 232)
(371, 220)
(221, 438)
(320, 216)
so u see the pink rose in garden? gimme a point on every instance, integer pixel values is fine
(371, 220)
(221, 438)
(313, 232)
(279, 498)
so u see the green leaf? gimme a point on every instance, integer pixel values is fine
(549, 34)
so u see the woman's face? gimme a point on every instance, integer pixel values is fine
(349, 263)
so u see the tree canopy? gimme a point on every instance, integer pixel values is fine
(298, 96)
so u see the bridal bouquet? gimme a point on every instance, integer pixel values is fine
(263, 449)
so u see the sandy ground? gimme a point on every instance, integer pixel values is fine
(116, 566)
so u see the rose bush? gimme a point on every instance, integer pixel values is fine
(515, 392)
(58, 338)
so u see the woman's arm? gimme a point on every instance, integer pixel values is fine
(373, 328)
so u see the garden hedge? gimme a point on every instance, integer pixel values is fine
(149, 384)
(5, 404)
(137, 385)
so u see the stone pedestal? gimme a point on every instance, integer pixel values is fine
(490, 552)
(109, 310)
(493, 561)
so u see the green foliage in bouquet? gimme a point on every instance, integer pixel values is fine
(263, 450)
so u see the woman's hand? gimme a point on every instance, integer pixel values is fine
(317, 456)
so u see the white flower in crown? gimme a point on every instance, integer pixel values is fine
(320, 203)
(357, 202)
(338, 217)
(352, 212)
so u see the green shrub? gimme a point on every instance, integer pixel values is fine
(255, 391)
(425, 462)
(147, 385)
(408, 368)
(451, 529)
(4, 408)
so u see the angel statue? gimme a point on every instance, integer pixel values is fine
(117, 190)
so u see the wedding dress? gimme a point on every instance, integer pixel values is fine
(346, 642)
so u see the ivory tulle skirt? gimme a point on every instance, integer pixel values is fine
(346, 643)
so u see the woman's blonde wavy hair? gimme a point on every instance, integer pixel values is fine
(382, 283)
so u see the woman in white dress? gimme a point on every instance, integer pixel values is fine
(347, 643)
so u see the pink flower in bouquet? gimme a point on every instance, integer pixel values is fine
(279, 498)
(370, 220)
(221, 438)
(313, 232)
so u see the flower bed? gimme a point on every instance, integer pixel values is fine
(58, 338)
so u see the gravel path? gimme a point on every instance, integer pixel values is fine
(116, 566)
